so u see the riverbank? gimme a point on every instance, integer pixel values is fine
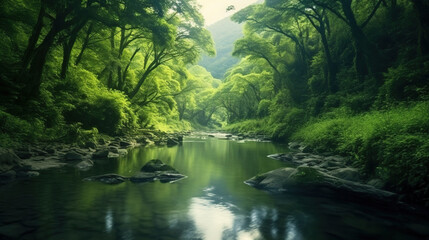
(391, 145)
(28, 160)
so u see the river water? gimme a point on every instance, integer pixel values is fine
(212, 203)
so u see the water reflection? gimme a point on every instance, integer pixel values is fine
(210, 216)
(109, 220)
(212, 203)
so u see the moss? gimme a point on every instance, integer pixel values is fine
(307, 175)
(259, 178)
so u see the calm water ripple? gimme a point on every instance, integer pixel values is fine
(212, 203)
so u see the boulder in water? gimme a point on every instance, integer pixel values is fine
(109, 178)
(310, 181)
(157, 170)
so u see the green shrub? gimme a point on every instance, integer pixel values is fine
(93, 105)
(286, 122)
(392, 145)
(408, 81)
(14, 129)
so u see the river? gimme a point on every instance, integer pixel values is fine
(212, 203)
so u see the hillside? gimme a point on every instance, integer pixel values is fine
(225, 33)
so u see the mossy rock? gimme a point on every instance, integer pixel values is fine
(310, 181)
(157, 165)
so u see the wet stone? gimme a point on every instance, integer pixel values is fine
(110, 178)
(13, 231)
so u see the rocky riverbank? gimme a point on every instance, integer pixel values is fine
(321, 175)
(29, 160)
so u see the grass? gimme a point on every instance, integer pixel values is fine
(392, 145)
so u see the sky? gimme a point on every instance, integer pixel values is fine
(215, 10)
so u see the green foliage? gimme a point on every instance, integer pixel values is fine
(286, 122)
(14, 129)
(392, 145)
(107, 110)
(406, 82)
(251, 127)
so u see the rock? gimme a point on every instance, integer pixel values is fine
(109, 178)
(350, 174)
(301, 155)
(101, 141)
(211, 135)
(336, 158)
(80, 151)
(311, 161)
(331, 164)
(157, 165)
(113, 149)
(142, 140)
(24, 155)
(167, 177)
(172, 142)
(9, 160)
(286, 157)
(39, 152)
(294, 145)
(122, 152)
(7, 176)
(377, 183)
(157, 170)
(49, 162)
(50, 150)
(92, 145)
(101, 153)
(309, 181)
(29, 174)
(13, 231)
(115, 144)
(143, 177)
(125, 144)
(38, 158)
(305, 149)
(112, 155)
(73, 156)
(85, 164)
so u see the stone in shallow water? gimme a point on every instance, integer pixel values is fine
(85, 164)
(143, 177)
(157, 165)
(13, 231)
(109, 178)
(168, 177)
(310, 181)
(101, 153)
(157, 170)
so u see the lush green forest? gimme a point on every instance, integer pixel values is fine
(343, 76)
(70, 68)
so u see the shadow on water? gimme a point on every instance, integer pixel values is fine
(212, 203)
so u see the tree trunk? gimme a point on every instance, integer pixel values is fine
(68, 47)
(136, 89)
(331, 71)
(34, 75)
(368, 59)
(85, 44)
(422, 9)
(32, 41)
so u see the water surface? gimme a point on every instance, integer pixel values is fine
(212, 203)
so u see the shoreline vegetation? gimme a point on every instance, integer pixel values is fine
(390, 145)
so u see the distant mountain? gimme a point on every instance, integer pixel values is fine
(225, 32)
